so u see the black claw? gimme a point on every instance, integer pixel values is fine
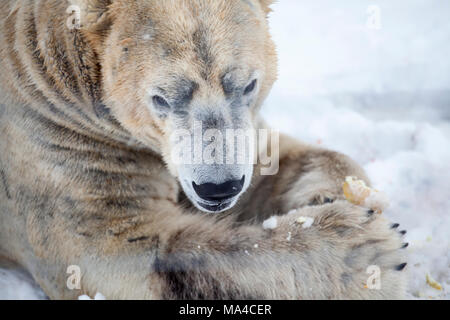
(370, 212)
(403, 232)
(400, 267)
(405, 245)
(395, 226)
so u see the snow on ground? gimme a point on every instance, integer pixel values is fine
(377, 90)
(382, 96)
(17, 285)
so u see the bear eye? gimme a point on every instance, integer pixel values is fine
(250, 88)
(160, 101)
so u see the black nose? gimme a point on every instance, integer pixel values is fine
(219, 192)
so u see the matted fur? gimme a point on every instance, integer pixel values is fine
(83, 180)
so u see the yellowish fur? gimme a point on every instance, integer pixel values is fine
(86, 177)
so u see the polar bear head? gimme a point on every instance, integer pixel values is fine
(183, 75)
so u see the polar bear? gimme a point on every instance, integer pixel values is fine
(92, 93)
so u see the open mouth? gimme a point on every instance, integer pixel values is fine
(215, 207)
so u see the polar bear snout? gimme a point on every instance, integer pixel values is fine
(215, 188)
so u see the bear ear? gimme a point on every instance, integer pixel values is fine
(265, 4)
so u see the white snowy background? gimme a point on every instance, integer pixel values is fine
(374, 83)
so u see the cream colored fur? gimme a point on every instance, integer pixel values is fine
(86, 180)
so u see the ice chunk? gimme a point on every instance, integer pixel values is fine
(270, 223)
(357, 192)
(98, 296)
(306, 222)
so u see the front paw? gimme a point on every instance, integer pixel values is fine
(348, 243)
(373, 252)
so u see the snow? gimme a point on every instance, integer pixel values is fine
(98, 296)
(377, 201)
(306, 222)
(357, 192)
(15, 284)
(381, 96)
(289, 236)
(270, 223)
